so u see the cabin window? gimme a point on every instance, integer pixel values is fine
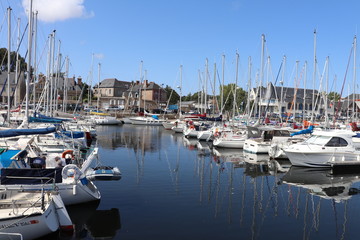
(281, 133)
(337, 142)
(268, 135)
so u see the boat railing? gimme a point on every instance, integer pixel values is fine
(24, 202)
(44, 181)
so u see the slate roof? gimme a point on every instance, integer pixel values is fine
(288, 93)
(113, 83)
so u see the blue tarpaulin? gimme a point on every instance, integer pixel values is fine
(173, 107)
(5, 160)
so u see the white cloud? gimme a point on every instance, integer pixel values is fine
(58, 10)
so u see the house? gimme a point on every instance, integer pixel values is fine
(287, 100)
(110, 92)
(17, 90)
(148, 95)
(70, 87)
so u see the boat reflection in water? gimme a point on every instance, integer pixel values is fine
(190, 143)
(90, 223)
(323, 183)
(204, 148)
(174, 187)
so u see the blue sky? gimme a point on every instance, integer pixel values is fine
(165, 34)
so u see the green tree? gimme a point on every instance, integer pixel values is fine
(229, 98)
(4, 61)
(172, 95)
(334, 96)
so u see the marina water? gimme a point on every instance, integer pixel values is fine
(177, 188)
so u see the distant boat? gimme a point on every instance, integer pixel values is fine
(146, 121)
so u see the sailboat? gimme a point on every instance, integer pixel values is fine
(31, 214)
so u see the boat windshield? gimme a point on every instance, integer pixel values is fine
(318, 140)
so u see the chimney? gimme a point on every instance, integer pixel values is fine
(145, 83)
(79, 80)
(137, 82)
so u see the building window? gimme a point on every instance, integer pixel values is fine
(289, 105)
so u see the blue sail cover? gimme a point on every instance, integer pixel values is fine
(70, 134)
(19, 132)
(38, 115)
(305, 131)
(45, 120)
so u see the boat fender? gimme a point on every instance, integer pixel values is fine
(71, 171)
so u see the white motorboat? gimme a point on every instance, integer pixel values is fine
(30, 215)
(325, 149)
(260, 138)
(150, 121)
(106, 120)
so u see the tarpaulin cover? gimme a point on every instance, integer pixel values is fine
(30, 176)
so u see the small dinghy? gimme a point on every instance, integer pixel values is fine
(103, 173)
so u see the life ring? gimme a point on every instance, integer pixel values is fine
(71, 171)
(71, 152)
(192, 127)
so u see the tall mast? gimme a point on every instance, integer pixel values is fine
(214, 91)
(304, 100)
(282, 88)
(66, 77)
(354, 80)
(35, 62)
(58, 68)
(236, 84)
(326, 92)
(145, 88)
(28, 70)
(47, 83)
(313, 78)
(261, 71)
(98, 97)
(248, 88)
(17, 62)
(295, 85)
(8, 63)
(181, 67)
(52, 56)
(223, 81)
(91, 78)
(205, 84)
(199, 108)
(140, 84)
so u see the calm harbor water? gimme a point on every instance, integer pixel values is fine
(176, 188)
